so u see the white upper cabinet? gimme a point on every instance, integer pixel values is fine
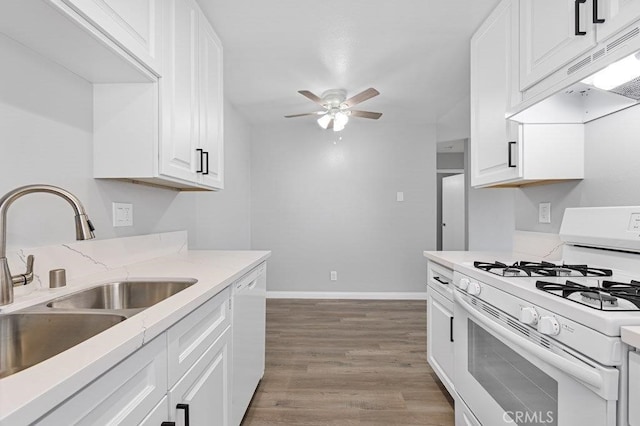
(552, 33)
(179, 91)
(494, 89)
(560, 37)
(211, 108)
(191, 146)
(616, 15)
(168, 133)
(133, 24)
(502, 152)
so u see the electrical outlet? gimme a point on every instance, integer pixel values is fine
(122, 214)
(544, 213)
(334, 275)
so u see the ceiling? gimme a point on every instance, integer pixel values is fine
(415, 52)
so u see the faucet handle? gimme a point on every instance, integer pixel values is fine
(27, 277)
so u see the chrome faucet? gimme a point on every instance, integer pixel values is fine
(84, 231)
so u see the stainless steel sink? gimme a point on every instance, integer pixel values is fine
(122, 295)
(29, 338)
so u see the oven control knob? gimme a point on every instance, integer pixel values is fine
(463, 283)
(549, 326)
(528, 316)
(474, 289)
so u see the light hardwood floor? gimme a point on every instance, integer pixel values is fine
(348, 362)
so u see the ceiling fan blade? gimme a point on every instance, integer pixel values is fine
(361, 97)
(306, 113)
(366, 114)
(311, 96)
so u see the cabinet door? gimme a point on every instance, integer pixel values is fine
(133, 24)
(440, 337)
(204, 392)
(179, 91)
(617, 14)
(123, 395)
(211, 107)
(494, 89)
(157, 415)
(548, 37)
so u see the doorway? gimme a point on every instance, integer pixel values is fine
(451, 216)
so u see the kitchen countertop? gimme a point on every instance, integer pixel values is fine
(631, 335)
(28, 393)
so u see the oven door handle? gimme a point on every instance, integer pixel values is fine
(578, 369)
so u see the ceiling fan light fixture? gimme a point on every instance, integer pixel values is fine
(324, 121)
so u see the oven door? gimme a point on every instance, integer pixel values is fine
(508, 373)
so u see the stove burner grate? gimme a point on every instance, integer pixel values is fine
(606, 297)
(525, 268)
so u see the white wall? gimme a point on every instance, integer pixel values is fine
(322, 207)
(46, 137)
(612, 173)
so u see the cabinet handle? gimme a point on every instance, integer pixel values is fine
(596, 20)
(577, 18)
(184, 407)
(440, 280)
(451, 329)
(206, 154)
(510, 151)
(168, 424)
(200, 170)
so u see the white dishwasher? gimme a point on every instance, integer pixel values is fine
(248, 309)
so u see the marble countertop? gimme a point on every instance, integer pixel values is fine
(41, 387)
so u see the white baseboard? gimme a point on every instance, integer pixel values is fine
(383, 295)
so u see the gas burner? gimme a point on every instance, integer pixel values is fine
(525, 268)
(598, 297)
(612, 296)
(512, 272)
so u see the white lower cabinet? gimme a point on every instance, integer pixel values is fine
(440, 323)
(123, 395)
(184, 371)
(158, 415)
(203, 394)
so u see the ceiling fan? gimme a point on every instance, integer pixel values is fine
(337, 108)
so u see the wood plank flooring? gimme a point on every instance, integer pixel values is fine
(348, 362)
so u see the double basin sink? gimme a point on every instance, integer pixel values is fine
(35, 334)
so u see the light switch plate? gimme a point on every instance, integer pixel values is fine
(400, 196)
(544, 213)
(122, 214)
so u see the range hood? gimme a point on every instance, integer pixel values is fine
(602, 82)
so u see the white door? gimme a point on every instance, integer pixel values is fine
(453, 206)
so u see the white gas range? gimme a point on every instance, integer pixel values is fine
(539, 343)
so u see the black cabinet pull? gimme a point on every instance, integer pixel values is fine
(510, 150)
(184, 407)
(440, 280)
(451, 329)
(596, 20)
(206, 154)
(200, 170)
(168, 424)
(577, 18)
